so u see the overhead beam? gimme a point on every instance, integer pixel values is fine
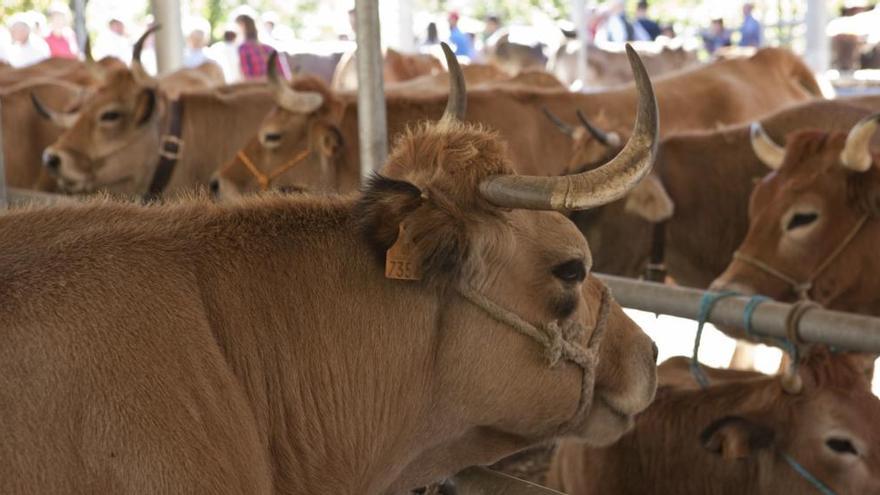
(372, 132)
(842, 330)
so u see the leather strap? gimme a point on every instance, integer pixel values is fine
(170, 150)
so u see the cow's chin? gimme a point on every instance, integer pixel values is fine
(605, 424)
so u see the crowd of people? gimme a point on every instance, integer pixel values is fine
(242, 50)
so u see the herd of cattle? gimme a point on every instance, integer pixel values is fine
(217, 340)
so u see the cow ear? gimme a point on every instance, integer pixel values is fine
(650, 200)
(145, 106)
(735, 437)
(382, 208)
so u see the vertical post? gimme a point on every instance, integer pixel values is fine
(169, 39)
(405, 39)
(3, 201)
(579, 18)
(79, 24)
(817, 52)
(372, 132)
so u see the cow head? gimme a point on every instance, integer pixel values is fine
(829, 428)
(498, 244)
(810, 218)
(296, 145)
(112, 142)
(592, 146)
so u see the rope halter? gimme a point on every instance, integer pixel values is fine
(265, 180)
(802, 289)
(559, 342)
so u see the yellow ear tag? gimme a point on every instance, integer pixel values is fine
(400, 260)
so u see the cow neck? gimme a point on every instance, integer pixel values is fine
(803, 289)
(559, 342)
(170, 150)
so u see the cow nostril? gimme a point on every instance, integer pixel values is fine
(272, 137)
(655, 351)
(52, 161)
(214, 186)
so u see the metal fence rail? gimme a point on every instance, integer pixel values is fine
(843, 330)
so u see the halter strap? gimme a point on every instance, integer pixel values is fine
(802, 289)
(805, 474)
(265, 180)
(558, 342)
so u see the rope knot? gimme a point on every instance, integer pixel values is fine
(554, 346)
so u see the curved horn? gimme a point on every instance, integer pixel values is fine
(856, 154)
(137, 68)
(565, 128)
(594, 187)
(607, 139)
(62, 120)
(770, 153)
(285, 96)
(791, 380)
(456, 105)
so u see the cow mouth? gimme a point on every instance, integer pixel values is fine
(606, 423)
(89, 186)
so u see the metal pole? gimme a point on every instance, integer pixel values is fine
(372, 130)
(169, 39)
(817, 42)
(579, 18)
(843, 330)
(3, 202)
(79, 24)
(482, 481)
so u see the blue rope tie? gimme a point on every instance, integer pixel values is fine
(799, 469)
(749, 311)
(707, 302)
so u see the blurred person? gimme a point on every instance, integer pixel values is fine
(61, 38)
(277, 35)
(717, 36)
(253, 54)
(751, 31)
(432, 37)
(113, 42)
(462, 42)
(617, 28)
(25, 47)
(196, 52)
(225, 53)
(645, 28)
(493, 24)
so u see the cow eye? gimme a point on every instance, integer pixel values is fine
(571, 271)
(801, 220)
(841, 446)
(111, 116)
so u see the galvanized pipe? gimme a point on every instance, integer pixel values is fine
(842, 330)
(372, 131)
(169, 39)
(79, 24)
(482, 481)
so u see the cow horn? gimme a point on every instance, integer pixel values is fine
(791, 380)
(285, 96)
(770, 153)
(594, 187)
(611, 139)
(61, 119)
(856, 154)
(137, 67)
(456, 104)
(565, 128)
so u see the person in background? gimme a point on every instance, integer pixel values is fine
(493, 24)
(225, 53)
(113, 42)
(196, 53)
(646, 28)
(751, 32)
(462, 43)
(617, 28)
(253, 54)
(61, 39)
(25, 47)
(716, 36)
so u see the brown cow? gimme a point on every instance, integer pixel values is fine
(734, 91)
(67, 70)
(740, 435)
(397, 67)
(812, 222)
(607, 67)
(211, 355)
(700, 188)
(25, 134)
